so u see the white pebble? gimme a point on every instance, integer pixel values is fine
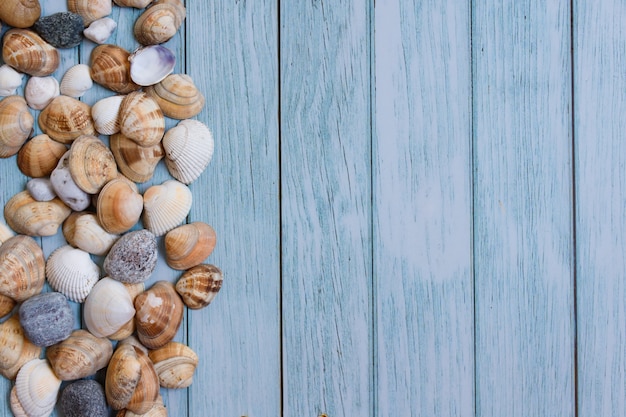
(41, 189)
(66, 188)
(100, 30)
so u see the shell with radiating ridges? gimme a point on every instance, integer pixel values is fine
(178, 96)
(199, 285)
(166, 206)
(159, 312)
(37, 387)
(40, 91)
(30, 217)
(137, 4)
(141, 119)
(134, 161)
(15, 348)
(105, 114)
(27, 52)
(90, 10)
(22, 268)
(83, 230)
(76, 81)
(39, 156)
(188, 150)
(189, 245)
(66, 118)
(91, 164)
(107, 307)
(16, 124)
(119, 206)
(20, 13)
(10, 80)
(175, 364)
(159, 22)
(80, 355)
(110, 68)
(71, 272)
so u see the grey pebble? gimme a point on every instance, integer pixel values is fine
(133, 257)
(46, 318)
(41, 189)
(61, 30)
(84, 398)
(66, 188)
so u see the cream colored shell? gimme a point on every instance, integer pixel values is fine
(166, 206)
(175, 364)
(160, 22)
(16, 125)
(40, 91)
(71, 272)
(107, 307)
(83, 230)
(188, 150)
(30, 217)
(36, 388)
(178, 96)
(76, 81)
(15, 348)
(105, 114)
(91, 164)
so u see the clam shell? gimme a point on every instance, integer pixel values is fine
(134, 161)
(105, 114)
(40, 91)
(189, 245)
(91, 164)
(16, 124)
(122, 376)
(76, 81)
(27, 52)
(178, 96)
(100, 30)
(188, 150)
(107, 307)
(137, 4)
(110, 68)
(80, 355)
(66, 118)
(15, 348)
(119, 206)
(151, 64)
(159, 22)
(128, 329)
(39, 156)
(141, 119)
(83, 230)
(27, 216)
(20, 13)
(146, 394)
(90, 10)
(37, 387)
(10, 80)
(22, 268)
(6, 305)
(166, 206)
(71, 272)
(199, 285)
(175, 364)
(157, 410)
(159, 313)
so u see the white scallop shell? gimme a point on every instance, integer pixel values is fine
(105, 114)
(188, 150)
(151, 64)
(10, 80)
(71, 272)
(40, 91)
(107, 308)
(36, 388)
(166, 206)
(76, 81)
(100, 30)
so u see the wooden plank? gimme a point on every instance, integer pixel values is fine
(326, 208)
(422, 216)
(232, 57)
(600, 105)
(523, 239)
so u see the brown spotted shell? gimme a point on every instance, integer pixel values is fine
(178, 96)
(16, 124)
(159, 312)
(199, 285)
(27, 52)
(91, 164)
(110, 68)
(30, 217)
(80, 355)
(39, 156)
(90, 10)
(141, 119)
(15, 348)
(175, 364)
(22, 268)
(66, 118)
(159, 22)
(189, 245)
(119, 206)
(134, 161)
(20, 13)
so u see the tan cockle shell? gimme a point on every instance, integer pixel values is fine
(159, 22)
(107, 307)
(36, 388)
(16, 124)
(137, 4)
(119, 206)
(71, 272)
(15, 348)
(80, 355)
(188, 150)
(141, 119)
(159, 313)
(189, 245)
(76, 81)
(83, 230)
(27, 52)
(166, 206)
(90, 10)
(91, 164)
(175, 364)
(66, 118)
(39, 156)
(199, 285)
(134, 161)
(40, 91)
(105, 114)
(20, 13)
(22, 268)
(178, 96)
(29, 217)
(110, 68)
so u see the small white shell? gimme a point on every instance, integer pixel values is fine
(151, 64)
(36, 388)
(105, 114)
(100, 30)
(166, 206)
(10, 80)
(71, 272)
(108, 307)
(40, 91)
(76, 81)
(188, 150)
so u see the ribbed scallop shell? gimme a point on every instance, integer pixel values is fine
(90, 10)
(20, 13)
(80, 355)
(110, 68)
(83, 230)
(30, 217)
(119, 206)
(107, 307)
(175, 364)
(76, 81)
(159, 312)
(141, 119)
(40, 91)
(10, 80)
(199, 285)
(134, 161)
(189, 245)
(91, 164)
(188, 150)
(15, 348)
(22, 268)
(166, 206)
(159, 22)
(27, 52)
(39, 156)
(37, 387)
(106, 113)
(16, 124)
(178, 96)
(66, 118)
(71, 272)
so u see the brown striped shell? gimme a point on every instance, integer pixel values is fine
(20, 13)
(66, 118)
(189, 245)
(90, 10)
(16, 124)
(119, 206)
(178, 96)
(22, 268)
(134, 161)
(175, 364)
(30, 217)
(27, 52)
(91, 164)
(80, 355)
(39, 156)
(15, 348)
(199, 285)
(141, 119)
(110, 68)
(159, 313)
(159, 22)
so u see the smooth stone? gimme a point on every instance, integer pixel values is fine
(61, 30)
(65, 187)
(41, 189)
(100, 30)
(46, 318)
(133, 257)
(83, 398)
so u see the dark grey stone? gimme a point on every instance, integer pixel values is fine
(133, 257)
(46, 318)
(61, 30)
(84, 398)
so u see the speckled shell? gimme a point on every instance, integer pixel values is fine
(27, 52)
(79, 356)
(134, 161)
(83, 230)
(36, 388)
(159, 22)
(178, 96)
(175, 364)
(20, 13)
(15, 348)
(76, 81)
(71, 272)
(22, 268)
(189, 245)
(137, 4)
(27, 216)
(105, 114)
(159, 314)
(107, 307)
(90, 10)
(40, 91)
(91, 164)
(16, 124)
(119, 206)
(39, 156)
(166, 206)
(110, 68)
(188, 150)
(141, 119)
(199, 285)
(66, 118)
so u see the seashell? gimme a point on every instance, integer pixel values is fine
(65, 187)
(14, 403)
(157, 410)
(5, 233)
(159, 313)
(22, 268)
(66, 118)
(16, 124)
(107, 307)
(178, 96)
(27, 52)
(36, 388)
(46, 318)
(141, 119)
(166, 206)
(137, 4)
(189, 245)
(119, 206)
(61, 30)
(159, 22)
(199, 285)
(71, 272)
(83, 230)
(151, 64)
(134, 341)
(80, 355)
(100, 30)
(146, 393)
(39, 156)
(83, 398)
(90, 10)
(122, 376)
(27, 216)
(15, 348)
(105, 114)
(175, 364)
(91, 164)
(188, 150)
(10, 80)
(110, 68)
(135, 162)
(76, 81)
(6, 305)
(41, 189)
(133, 258)
(20, 13)
(40, 91)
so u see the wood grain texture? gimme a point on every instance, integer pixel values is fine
(600, 105)
(523, 240)
(422, 209)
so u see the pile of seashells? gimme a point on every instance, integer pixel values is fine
(72, 170)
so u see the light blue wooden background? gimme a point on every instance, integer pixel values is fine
(419, 206)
